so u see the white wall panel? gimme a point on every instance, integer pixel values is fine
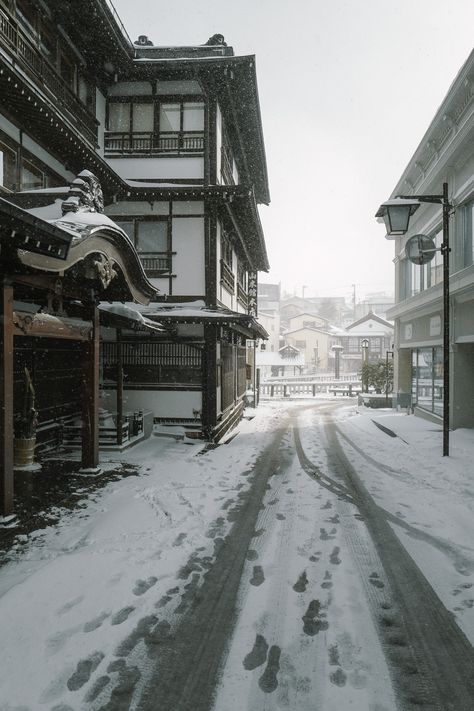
(158, 168)
(188, 262)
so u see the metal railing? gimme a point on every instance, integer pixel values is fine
(310, 389)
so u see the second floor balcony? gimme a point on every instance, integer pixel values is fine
(151, 143)
(156, 264)
(61, 83)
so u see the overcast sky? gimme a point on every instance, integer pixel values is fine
(347, 90)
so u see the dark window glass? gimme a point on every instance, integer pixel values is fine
(8, 164)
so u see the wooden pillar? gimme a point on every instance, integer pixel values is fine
(119, 387)
(6, 398)
(90, 396)
(209, 379)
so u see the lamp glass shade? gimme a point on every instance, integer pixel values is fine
(365, 343)
(397, 218)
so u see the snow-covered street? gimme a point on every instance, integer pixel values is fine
(309, 563)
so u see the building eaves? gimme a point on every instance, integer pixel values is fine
(442, 133)
(228, 77)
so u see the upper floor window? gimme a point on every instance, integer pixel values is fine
(8, 167)
(242, 276)
(152, 240)
(26, 174)
(465, 221)
(415, 278)
(227, 160)
(353, 345)
(41, 50)
(226, 251)
(138, 126)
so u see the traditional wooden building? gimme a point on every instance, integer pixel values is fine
(175, 137)
(53, 274)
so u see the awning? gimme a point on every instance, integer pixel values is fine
(117, 315)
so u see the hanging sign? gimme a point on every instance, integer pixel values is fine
(420, 249)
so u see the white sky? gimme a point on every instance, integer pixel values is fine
(347, 91)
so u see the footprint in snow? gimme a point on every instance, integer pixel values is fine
(95, 623)
(301, 583)
(258, 655)
(84, 669)
(374, 580)
(121, 615)
(69, 605)
(268, 682)
(258, 577)
(141, 586)
(313, 619)
(327, 584)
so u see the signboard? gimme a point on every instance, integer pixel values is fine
(420, 249)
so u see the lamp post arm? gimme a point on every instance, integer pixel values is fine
(439, 199)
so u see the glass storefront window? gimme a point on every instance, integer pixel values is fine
(427, 379)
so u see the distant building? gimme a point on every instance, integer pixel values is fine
(372, 328)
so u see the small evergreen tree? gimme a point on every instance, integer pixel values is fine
(377, 375)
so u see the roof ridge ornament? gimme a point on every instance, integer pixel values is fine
(85, 194)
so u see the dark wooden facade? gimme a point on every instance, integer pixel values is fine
(51, 283)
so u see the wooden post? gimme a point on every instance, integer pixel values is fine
(209, 380)
(6, 398)
(90, 397)
(118, 332)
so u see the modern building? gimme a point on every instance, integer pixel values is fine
(445, 154)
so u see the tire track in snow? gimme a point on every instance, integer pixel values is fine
(430, 659)
(188, 661)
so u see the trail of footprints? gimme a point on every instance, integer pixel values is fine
(343, 660)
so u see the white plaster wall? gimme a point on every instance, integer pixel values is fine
(218, 143)
(156, 168)
(100, 103)
(161, 283)
(188, 262)
(162, 403)
(218, 389)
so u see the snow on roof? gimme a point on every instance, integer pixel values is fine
(129, 313)
(276, 358)
(50, 212)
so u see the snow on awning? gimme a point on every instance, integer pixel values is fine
(196, 312)
(117, 315)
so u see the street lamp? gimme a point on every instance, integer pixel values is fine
(336, 348)
(396, 214)
(365, 361)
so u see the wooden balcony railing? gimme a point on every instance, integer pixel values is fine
(29, 58)
(242, 296)
(156, 265)
(151, 143)
(227, 277)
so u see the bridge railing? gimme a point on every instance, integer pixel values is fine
(310, 389)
